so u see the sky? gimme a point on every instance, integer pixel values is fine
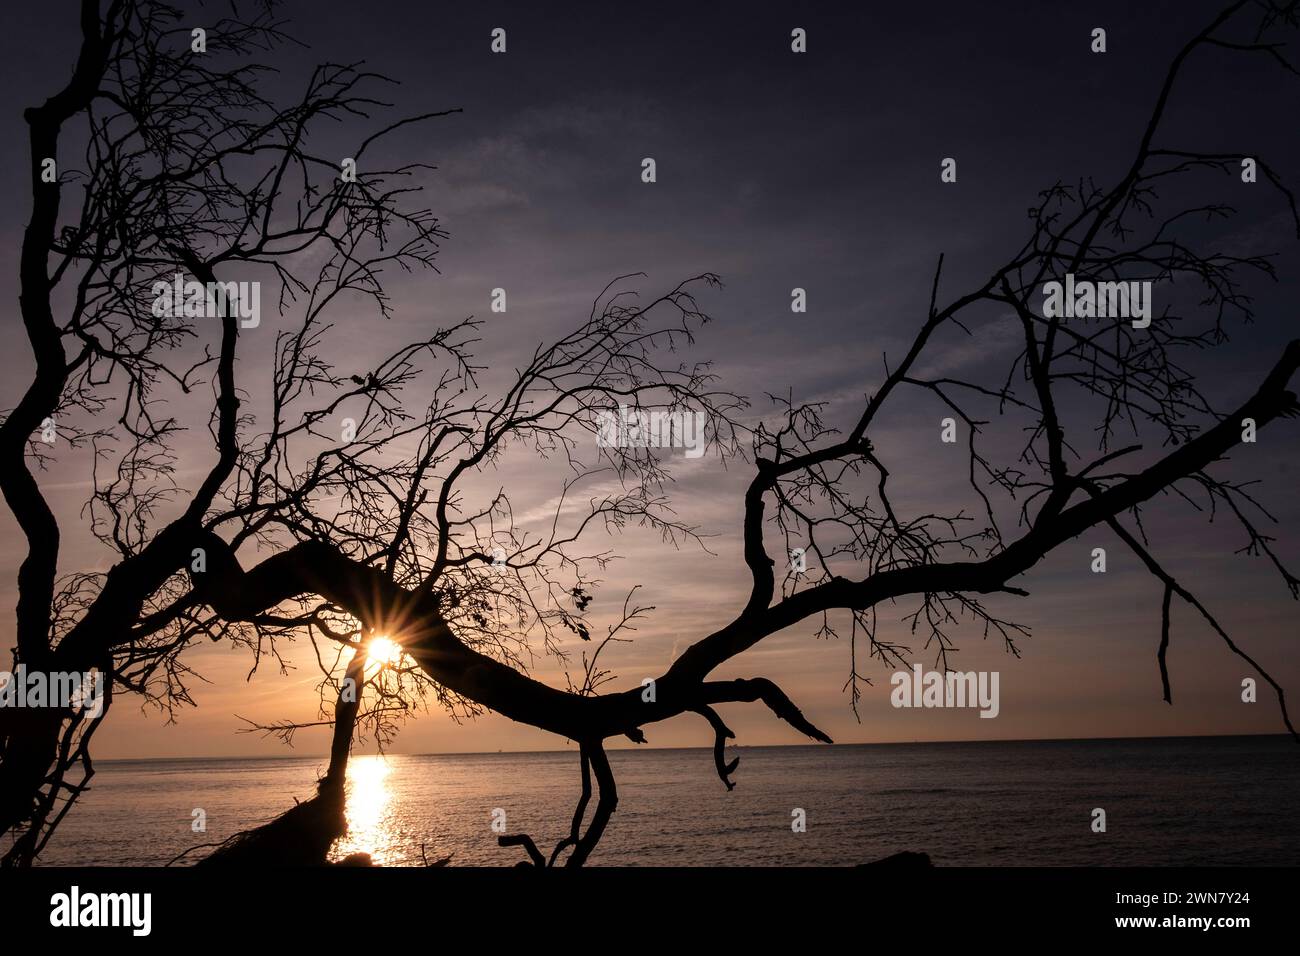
(775, 171)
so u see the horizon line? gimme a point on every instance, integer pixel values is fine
(641, 749)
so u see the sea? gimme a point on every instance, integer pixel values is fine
(1210, 801)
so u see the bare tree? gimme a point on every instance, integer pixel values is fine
(374, 535)
(185, 167)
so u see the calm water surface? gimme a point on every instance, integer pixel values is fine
(1211, 801)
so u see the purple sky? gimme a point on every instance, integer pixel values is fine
(774, 171)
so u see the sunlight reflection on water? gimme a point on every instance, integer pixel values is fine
(370, 810)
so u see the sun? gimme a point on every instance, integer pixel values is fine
(384, 650)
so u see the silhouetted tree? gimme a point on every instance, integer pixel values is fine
(185, 167)
(188, 168)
